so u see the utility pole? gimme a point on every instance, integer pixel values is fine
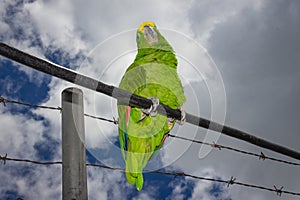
(74, 181)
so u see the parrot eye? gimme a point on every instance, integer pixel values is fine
(138, 36)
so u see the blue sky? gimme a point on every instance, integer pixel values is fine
(239, 61)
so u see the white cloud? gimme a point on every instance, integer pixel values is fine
(19, 133)
(143, 196)
(37, 182)
(56, 25)
(98, 18)
(105, 184)
(178, 192)
(209, 190)
(204, 16)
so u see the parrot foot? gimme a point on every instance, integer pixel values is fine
(180, 122)
(152, 111)
(183, 116)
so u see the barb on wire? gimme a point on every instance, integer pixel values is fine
(214, 145)
(278, 190)
(2, 100)
(231, 181)
(174, 174)
(4, 158)
(179, 174)
(260, 156)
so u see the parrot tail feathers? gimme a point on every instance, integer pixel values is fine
(139, 181)
(135, 178)
(130, 178)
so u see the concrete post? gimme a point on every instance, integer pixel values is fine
(74, 181)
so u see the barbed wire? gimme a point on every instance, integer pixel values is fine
(5, 101)
(261, 156)
(231, 181)
(115, 121)
(5, 158)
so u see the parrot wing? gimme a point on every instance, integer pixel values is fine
(140, 139)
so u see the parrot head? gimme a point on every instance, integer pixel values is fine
(148, 36)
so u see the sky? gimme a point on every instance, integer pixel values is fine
(239, 65)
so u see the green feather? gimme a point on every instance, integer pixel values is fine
(152, 74)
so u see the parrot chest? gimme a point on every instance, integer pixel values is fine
(157, 80)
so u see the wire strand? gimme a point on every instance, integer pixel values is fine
(232, 180)
(5, 101)
(261, 156)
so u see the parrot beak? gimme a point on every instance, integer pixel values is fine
(150, 35)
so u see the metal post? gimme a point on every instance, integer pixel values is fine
(74, 183)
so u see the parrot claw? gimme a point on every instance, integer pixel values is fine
(152, 111)
(183, 116)
(170, 122)
(180, 122)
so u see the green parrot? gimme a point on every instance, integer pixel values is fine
(153, 75)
